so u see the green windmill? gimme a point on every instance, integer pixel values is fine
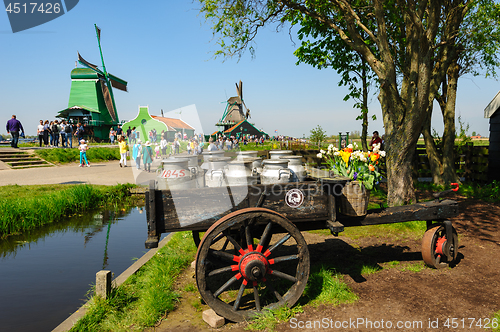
(91, 100)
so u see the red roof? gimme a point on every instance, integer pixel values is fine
(233, 127)
(173, 124)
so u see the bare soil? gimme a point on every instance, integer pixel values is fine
(421, 300)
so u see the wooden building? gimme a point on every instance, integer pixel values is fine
(175, 126)
(492, 111)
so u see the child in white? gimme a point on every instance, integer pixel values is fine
(83, 153)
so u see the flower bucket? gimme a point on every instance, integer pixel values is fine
(354, 199)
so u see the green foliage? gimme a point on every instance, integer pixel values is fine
(27, 207)
(73, 155)
(146, 296)
(325, 286)
(269, 319)
(497, 317)
(318, 135)
(489, 192)
(462, 138)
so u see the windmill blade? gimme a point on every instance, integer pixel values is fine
(118, 83)
(89, 65)
(108, 99)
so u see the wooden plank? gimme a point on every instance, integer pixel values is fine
(422, 211)
(197, 209)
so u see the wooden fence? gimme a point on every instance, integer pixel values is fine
(471, 162)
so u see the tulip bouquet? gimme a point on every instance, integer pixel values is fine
(355, 164)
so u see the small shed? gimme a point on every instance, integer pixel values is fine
(492, 111)
(175, 126)
(241, 129)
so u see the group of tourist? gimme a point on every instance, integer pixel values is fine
(59, 133)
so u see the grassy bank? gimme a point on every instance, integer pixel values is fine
(63, 156)
(27, 207)
(146, 296)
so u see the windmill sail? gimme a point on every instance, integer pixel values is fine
(118, 83)
(88, 64)
(108, 100)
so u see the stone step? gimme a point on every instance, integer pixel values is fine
(27, 162)
(31, 166)
(8, 160)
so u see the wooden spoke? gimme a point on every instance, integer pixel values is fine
(256, 297)
(236, 304)
(225, 286)
(221, 270)
(221, 255)
(283, 276)
(283, 259)
(280, 242)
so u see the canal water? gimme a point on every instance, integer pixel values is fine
(45, 274)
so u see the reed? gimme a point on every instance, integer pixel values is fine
(22, 211)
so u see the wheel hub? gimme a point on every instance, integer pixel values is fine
(440, 245)
(253, 266)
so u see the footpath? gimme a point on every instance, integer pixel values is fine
(99, 173)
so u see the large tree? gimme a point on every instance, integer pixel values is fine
(403, 44)
(478, 44)
(323, 48)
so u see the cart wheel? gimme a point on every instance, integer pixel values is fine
(269, 270)
(433, 242)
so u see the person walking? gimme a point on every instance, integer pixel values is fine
(136, 153)
(63, 133)
(79, 132)
(13, 127)
(163, 146)
(46, 130)
(177, 146)
(83, 147)
(39, 131)
(147, 156)
(68, 129)
(112, 135)
(119, 132)
(122, 143)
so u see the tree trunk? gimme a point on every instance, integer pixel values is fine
(364, 110)
(449, 171)
(435, 162)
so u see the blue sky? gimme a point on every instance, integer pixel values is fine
(164, 50)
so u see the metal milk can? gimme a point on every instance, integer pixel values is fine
(175, 174)
(210, 154)
(216, 168)
(245, 154)
(195, 169)
(298, 170)
(276, 154)
(275, 171)
(241, 173)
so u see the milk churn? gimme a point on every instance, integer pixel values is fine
(276, 154)
(241, 173)
(257, 161)
(175, 174)
(210, 154)
(245, 154)
(275, 171)
(216, 168)
(195, 169)
(298, 170)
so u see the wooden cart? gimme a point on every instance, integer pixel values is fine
(253, 256)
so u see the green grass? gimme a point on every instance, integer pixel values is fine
(497, 318)
(414, 267)
(146, 296)
(325, 286)
(269, 319)
(485, 192)
(27, 207)
(63, 156)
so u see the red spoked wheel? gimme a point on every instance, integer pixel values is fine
(434, 247)
(249, 260)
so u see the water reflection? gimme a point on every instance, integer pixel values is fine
(53, 267)
(90, 224)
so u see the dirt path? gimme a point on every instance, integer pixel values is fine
(396, 297)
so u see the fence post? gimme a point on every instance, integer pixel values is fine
(468, 162)
(103, 283)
